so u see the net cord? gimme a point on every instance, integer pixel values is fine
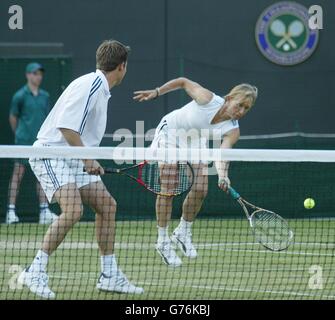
(171, 154)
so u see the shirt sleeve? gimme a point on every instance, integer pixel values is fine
(16, 105)
(216, 100)
(77, 104)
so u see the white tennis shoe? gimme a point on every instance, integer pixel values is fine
(183, 240)
(168, 254)
(118, 283)
(37, 282)
(11, 217)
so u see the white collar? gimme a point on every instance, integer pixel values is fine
(104, 81)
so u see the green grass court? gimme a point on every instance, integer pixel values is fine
(230, 265)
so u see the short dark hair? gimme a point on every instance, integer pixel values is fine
(110, 54)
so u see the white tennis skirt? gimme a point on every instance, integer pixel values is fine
(166, 137)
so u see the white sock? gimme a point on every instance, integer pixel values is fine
(163, 234)
(108, 265)
(184, 225)
(11, 207)
(40, 262)
(44, 207)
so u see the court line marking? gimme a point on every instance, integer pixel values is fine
(167, 283)
(212, 288)
(136, 245)
(30, 245)
(332, 245)
(222, 288)
(279, 252)
(74, 275)
(294, 293)
(92, 245)
(226, 288)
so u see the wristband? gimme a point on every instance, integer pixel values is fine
(157, 93)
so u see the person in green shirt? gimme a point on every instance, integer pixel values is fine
(29, 108)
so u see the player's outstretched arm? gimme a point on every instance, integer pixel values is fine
(193, 89)
(222, 166)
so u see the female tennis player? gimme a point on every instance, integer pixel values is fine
(207, 115)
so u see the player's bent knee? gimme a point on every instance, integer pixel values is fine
(113, 202)
(111, 205)
(72, 212)
(107, 208)
(111, 210)
(79, 211)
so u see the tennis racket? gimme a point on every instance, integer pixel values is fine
(269, 228)
(160, 178)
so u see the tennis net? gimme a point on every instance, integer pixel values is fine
(230, 263)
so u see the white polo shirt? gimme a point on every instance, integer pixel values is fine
(82, 107)
(191, 126)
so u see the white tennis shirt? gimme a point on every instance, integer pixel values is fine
(199, 117)
(82, 107)
(191, 127)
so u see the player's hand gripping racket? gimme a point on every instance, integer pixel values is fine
(269, 229)
(160, 178)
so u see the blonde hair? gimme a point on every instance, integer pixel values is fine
(246, 91)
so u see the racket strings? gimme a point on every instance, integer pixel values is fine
(271, 230)
(166, 178)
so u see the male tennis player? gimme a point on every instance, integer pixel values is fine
(79, 119)
(207, 113)
(29, 108)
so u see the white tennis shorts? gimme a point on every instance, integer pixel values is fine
(56, 173)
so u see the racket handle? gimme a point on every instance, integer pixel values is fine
(108, 170)
(112, 170)
(234, 193)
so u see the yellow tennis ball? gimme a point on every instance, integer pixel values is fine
(309, 203)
